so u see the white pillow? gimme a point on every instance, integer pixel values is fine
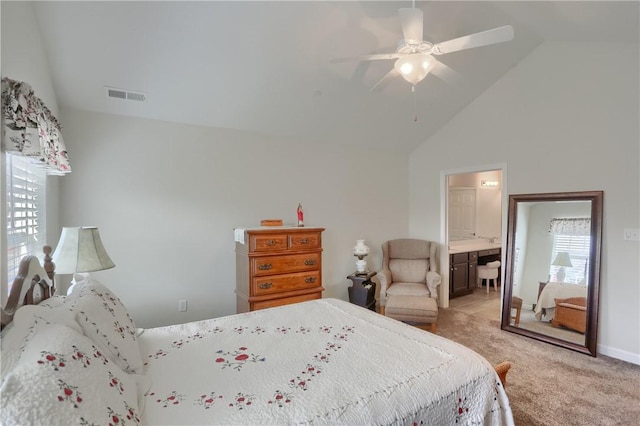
(27, 320)
(105, 320)
(62, 378)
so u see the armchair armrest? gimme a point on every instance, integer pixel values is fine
(384, 277)
(433, 282)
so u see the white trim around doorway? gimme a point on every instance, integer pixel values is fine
(444, 200)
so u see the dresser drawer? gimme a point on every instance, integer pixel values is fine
(489, 252)
(267, 243)
(304, 241)
(287, 282)
(285, 300)
(272, 265)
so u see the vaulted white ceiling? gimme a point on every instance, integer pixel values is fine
(266, 66)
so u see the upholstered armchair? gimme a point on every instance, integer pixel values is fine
(409, 268)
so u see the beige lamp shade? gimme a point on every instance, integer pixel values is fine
(80, 249)
(562, 259)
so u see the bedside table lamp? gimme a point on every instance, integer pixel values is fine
(361, 251)
(563, 261)
(80, 250)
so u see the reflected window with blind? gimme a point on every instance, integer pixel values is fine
(571, 248)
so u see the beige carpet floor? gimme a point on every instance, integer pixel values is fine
(548, 385)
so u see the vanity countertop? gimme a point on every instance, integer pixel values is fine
(473, 246)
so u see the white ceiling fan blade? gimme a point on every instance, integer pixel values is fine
(385, 80)
(375, 57)
(484, 38)
(445, 73)
(411, 19)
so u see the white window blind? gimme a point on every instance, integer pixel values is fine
(578, 248)
(26, 188)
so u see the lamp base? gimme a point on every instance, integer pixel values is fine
(77, 277)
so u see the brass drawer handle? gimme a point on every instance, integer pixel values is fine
(304, 241)
(309, 262)
(266, 285)
(264, 267)
(310, 280)
(271, 243)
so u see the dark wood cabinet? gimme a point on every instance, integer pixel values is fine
(459, 274)
(463, 270)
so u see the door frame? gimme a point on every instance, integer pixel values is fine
(444, 219)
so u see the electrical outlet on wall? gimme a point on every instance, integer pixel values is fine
(182, 305)
(631, 234)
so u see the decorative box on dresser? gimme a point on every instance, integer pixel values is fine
(277, 266)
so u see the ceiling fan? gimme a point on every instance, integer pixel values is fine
(414, 56)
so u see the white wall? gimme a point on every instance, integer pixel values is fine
(23, 59)
(564, 99)
(167, 197)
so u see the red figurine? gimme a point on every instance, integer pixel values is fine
(300, 215)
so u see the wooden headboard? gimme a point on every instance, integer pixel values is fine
(33, 284)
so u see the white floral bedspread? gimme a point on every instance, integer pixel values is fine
(319, 362)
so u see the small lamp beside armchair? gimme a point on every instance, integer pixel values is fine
(80, 250)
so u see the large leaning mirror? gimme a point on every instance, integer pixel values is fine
(552, 272)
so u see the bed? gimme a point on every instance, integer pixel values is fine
(554, 290)
(79, 359)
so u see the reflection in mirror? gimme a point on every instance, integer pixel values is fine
(552, 272)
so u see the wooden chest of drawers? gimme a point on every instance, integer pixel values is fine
(277, 266)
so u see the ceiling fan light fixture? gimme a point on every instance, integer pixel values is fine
(415, 67)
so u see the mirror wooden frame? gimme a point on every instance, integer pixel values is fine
(593, 288)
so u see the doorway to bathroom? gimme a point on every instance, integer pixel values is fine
(474, 230)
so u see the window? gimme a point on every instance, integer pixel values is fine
(578, 248)
(26, 185)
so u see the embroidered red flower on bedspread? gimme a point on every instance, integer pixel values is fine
(241, 401)
(281, 398)
(69, 393)
(237, 359)
(115, 383)
(174, 398)
(207, 401)
(462, 409)
(52, 359)
(79, 356)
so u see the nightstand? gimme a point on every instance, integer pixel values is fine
(363, 290)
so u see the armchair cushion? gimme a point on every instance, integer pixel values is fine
(408, 289)
(409, 270)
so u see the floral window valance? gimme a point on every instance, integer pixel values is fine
(570, 226)
(30, 129)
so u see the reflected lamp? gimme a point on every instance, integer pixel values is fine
(563, 260)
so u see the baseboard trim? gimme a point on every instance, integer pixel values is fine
(619, 354)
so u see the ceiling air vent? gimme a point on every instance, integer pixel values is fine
(112, 92)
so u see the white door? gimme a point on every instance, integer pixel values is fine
(462, 213)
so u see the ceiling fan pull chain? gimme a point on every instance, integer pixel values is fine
(415, 104)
